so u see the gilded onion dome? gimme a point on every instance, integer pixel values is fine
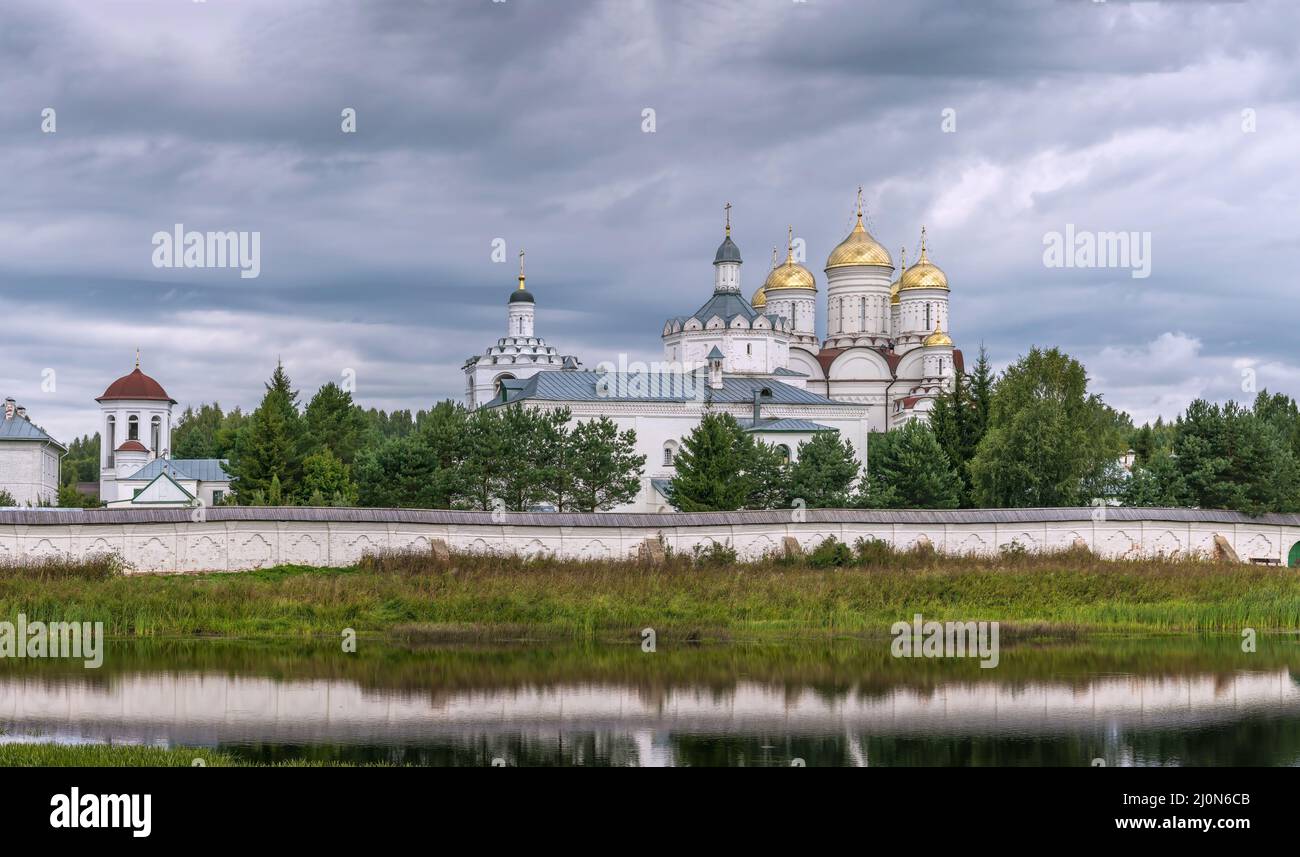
(894, 286)
(924, 274)
(937, 338)
(790, 274)
(859, 248)
(759, 300)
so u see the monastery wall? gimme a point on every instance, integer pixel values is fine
(240, 538)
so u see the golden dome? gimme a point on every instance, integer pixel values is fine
(894, 286)
(924, 274)
(859, 249)
(759, 300)
(937, 338)
(790, 274)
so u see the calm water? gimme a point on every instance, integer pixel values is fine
(1166, 701)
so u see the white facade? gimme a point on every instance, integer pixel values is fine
(885, 359)
(518, 355)
(29, 459)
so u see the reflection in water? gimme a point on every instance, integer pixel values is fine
(1143, 703)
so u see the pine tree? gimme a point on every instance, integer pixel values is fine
(397, 472)
(196, 433)
(489, 451)
(604, 464)
(270, 445)
(332, 421)
(770, 466)
(555, 451)
(444, 431)
(909, 470)
(713, 467)
(324, 475)
(519, 467)
(824, 471)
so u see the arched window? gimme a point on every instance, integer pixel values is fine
(785, 452)
(927, 316)
(133, 427)
(670, 453)
(496, 384)
(155, 436)
(110, 434)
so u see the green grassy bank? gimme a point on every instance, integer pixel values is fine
(417, 597)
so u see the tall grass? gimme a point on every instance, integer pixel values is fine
(499, 597)
(59, 567)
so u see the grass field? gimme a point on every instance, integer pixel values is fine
(124, 756)
(478, 597)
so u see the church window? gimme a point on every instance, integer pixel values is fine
(133, 428)
(218, 497)
(670, 453)
(862, 322)
(927, 316)
(155, 436)
(749, 349)
(785, 452)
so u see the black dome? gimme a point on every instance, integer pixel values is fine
(521, 296)
(727, 252)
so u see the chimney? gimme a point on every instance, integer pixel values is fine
(715, 368)
(9, 408)
(759, 395)
(21, 411)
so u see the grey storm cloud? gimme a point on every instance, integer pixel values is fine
(522, 121)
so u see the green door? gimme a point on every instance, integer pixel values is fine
(1293, 558)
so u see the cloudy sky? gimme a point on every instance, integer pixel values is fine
(992, 123)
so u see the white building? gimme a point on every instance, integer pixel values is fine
(885, 357)
(517, 355)
(29, 459)
(134, 451)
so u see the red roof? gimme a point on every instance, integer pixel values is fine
(132, 446)
(136, 386)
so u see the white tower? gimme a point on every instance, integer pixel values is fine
(521, 308)
(518, 355)
(858, 274)
(923, 301)
(791, 292)
(137, 428)
(726, 262)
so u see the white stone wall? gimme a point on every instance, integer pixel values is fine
(29, 470)
(235, 539)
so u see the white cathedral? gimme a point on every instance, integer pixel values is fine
(885, 358)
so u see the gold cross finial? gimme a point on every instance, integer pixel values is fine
(902, 255)
(774, 257)
(923, 239)
(727, 208)
(137, 358)
(789, 243)
(859, 202)
(521, 270)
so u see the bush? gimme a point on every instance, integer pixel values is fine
(716, 553)
(831, 553)
(874, 552)
(1013, 551)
